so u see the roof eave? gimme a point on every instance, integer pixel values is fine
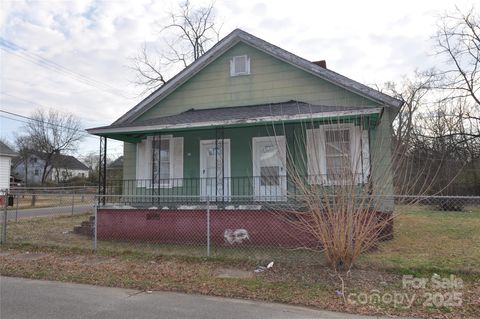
(229, 41)
(101, 131)
(12, 155)
(177, 80)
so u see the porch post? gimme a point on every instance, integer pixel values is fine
(219, 160)
(159, 160)
(223, 164)
(102, 170)
(152, 183)
(216, 163)
(361, 149)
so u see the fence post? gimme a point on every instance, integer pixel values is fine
(208, 227)
(73, 201)
(5, 217)
(95, 228)
(33, 199)
(16, 210)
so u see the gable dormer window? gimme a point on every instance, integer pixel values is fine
(240, 65)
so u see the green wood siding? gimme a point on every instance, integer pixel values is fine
(381, 159)
(271, 80)
(241, 154)
(129, 160)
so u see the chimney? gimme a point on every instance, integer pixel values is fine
(321, 63)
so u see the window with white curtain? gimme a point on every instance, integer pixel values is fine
(160, 161)
(337, 154)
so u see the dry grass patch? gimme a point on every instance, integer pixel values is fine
(55, 200)
(303, 285)
(427, 241)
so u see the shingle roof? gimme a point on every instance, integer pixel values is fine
(229, 41)
(262, 113)
(6, 151)
(60, 161)
(116, 164)
(69, 162)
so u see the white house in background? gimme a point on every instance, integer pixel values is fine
(6, 155)
(68, 167)
(64, 168)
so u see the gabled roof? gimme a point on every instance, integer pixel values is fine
(6, 151)
(69, 162)
(60, 161)
(239, 115)
(116, 164)
(232, 39)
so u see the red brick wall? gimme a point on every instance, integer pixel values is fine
(265, 228)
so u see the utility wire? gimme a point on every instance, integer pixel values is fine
(14, 49)
(43, 122)
(117, 152)
(23, 99)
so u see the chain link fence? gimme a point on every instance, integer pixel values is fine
(232, 227)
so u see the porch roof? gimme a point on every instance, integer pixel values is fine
(286, 112)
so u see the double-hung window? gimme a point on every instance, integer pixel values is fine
(162, 160)
(337, 154)
(338, 157)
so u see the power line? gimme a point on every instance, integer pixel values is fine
(37, 120)
(14, 49)
(43, 122)
(22, 99)
(21, 121)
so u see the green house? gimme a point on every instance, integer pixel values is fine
(248, 120)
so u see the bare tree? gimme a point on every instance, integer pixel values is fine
(458, 41)
(48, 134)
(192, 30)
(415, 93)
(24, 149)
(91, 159)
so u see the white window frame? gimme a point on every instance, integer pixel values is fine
(170, 158)
(232, 65)
(321, 155)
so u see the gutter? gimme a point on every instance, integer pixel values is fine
(258, 120)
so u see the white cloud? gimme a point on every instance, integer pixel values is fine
(370, 41)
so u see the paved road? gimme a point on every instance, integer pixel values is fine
(48, 211)
(24, 298)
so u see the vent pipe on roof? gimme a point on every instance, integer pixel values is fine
(321, 63)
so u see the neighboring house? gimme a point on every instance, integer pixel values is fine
(6, 155)
(224, 125)
(63, 168)
(115, 169)
(67, 167)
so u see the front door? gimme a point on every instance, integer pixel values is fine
(269, 172)
(215, 177)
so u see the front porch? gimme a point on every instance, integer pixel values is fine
(260, 164)
(224, 191)
(246, 176)
(256, 156)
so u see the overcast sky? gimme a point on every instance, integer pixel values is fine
(74, 55)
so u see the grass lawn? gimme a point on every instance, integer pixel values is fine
(56, 231)
(54, 200)
(425, 242)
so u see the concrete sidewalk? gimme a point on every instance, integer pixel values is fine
(24, 298)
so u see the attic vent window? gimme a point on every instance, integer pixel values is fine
(240, 65)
